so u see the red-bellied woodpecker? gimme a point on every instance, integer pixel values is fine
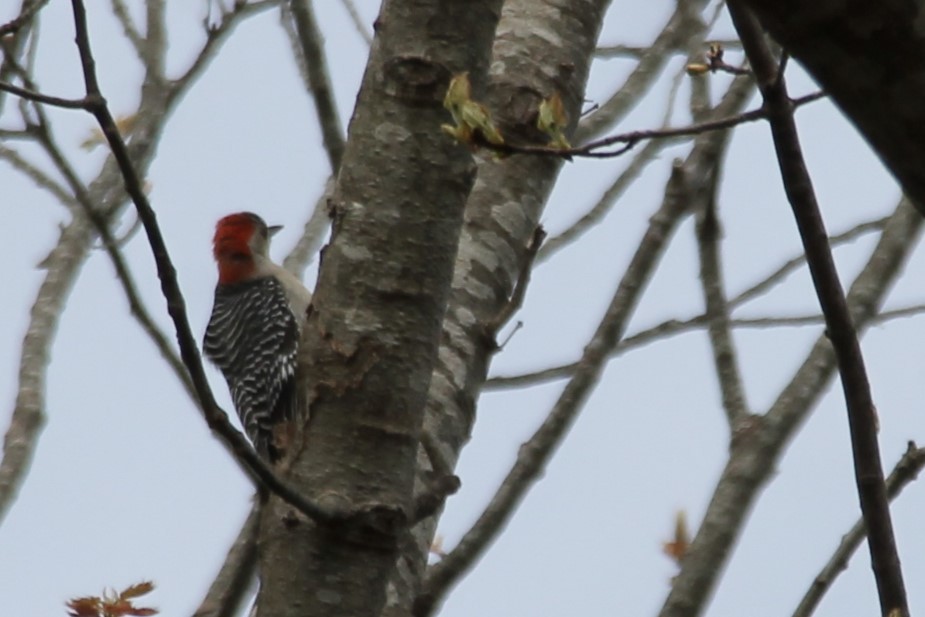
(253, 334)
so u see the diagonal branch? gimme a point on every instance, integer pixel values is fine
(905, 471)
(606, 202)
(708, 232)
(759, 442)
(315, 64)
(39, 177)
(176, 306)
(129, 29)
(215, 34)
(535, 453)
(627, 141)
(38, 97)
(29, 10)
(41, 131)
(62, 264)
(793, 263)
(229, 589)
(680, 26)
(686, 179)
(123, 273)
(841, 330)
(313, 233)
(357, 20)
(674, 327)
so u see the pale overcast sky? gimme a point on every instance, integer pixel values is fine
(127, 483)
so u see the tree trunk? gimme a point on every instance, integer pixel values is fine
(372, 336)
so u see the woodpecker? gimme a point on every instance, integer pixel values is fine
(253, 334)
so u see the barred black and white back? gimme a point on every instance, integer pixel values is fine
(253, 338)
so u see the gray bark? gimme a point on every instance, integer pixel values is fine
(373, 332)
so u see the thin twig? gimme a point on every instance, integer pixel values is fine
(43, 135)
(214, 36)
(708, 232)
(759, 443)
(621, 51)
(123, 273)
(680, 26)
(634, 51)
(780, 273)
(38, 97)
(674, 327)
(128, 27)
(606, 202)
(535, 453)
(229, 589)
(28, 12)
(313, 233)
(516, 301)
(629, 140)
(319, 81)
(357, 20)
(840, 327)
(905, 471)
(176, 306)
(635, 137)
(39, 177)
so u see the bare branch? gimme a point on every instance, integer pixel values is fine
(621, 51)
(534, 454)
(319, 81)
(39, 177)
(357, 21)
(633, 51)
(682, 23)
(215, 35)
(708, 232)
(123, 273)
(905, 471)
(29, 10)
(38, 97)
(793, 263)
(313, 233)
(154, 45)
(516, 301)
(674, 327)
(43, 135)
(229, 589)
(176, 306)
(606, 202)
(759, 440)
(128, 28)
(28, 416)
(862, 419)
(629, 140)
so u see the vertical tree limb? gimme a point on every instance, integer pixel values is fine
(759, 442)
(862, 416)
(371, 340)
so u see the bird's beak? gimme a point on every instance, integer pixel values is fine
(272, 229)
